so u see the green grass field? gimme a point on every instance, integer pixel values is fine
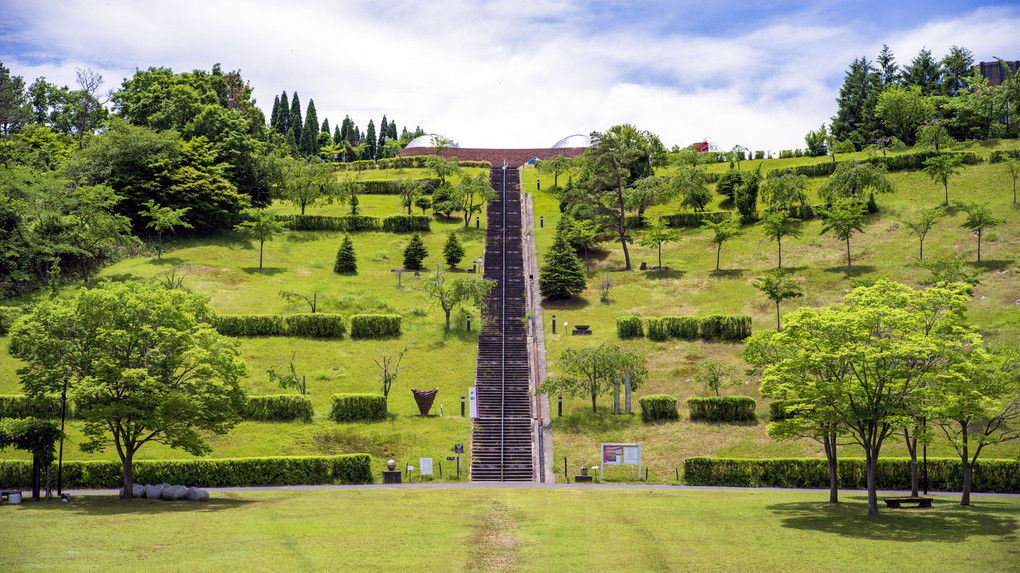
(508, 530)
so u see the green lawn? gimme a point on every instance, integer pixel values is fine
(510, 530)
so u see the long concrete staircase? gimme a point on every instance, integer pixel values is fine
(502, 442)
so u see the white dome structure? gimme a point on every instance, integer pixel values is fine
(576, 140)
(428, 140)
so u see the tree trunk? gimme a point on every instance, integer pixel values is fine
(593, 409)
(129, 474)
(965, 459)
(447, 320)
(718, 251)
(872, 463)
(779, 327)
(979, 245)
(302, 208)
(921, 254)
(848, 251)
(947, 193)
(660, 256)
(261, 244)
(779, 241)
(830, 457)
(911, 441)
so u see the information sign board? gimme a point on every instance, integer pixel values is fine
(620, 454)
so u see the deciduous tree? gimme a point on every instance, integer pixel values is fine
(979, 218)
(656, 235)
(842, 219)
(722, 231)
(778, 286)
(259, 225)
(163, 219)
(921, 225)
(941, 168)
(594, 371)
(450, 294)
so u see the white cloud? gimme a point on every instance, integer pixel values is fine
(497, 73)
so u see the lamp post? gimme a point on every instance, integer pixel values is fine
(60, 456)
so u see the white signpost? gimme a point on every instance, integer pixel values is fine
(620, 454)
(425, 466)
(473, 402)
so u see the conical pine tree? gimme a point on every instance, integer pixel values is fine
(310, 134)
(282, 120)
(275, 116)
(295, 118)
(561, 276)
(415, 253)
(453, 252)
(346, 260)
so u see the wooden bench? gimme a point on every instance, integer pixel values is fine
(897, 501)
(5, 495)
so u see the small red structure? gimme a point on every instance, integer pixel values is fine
(700, 147)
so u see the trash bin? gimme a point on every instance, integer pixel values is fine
(14, 497)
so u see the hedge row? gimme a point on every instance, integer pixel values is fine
(722, 409)
(694, 220)
(407, 224)
(230, 472)
(317, 325)
(278, 408)
(20, 406)
(375, 325)
(713, 327)
(905, 162)
(347, 223)
(1000, 155)
(358, 408)
(658, 407)
(414, 161)
(944, 474)
(392, 186)
(9, 314)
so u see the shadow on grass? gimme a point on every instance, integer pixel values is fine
(853, 271)
(587, 422)
(728, 273)
(264, 271)
(945, 522)
(673, 274)
(563, 304)
(166, 261)
(98, 505)
(992, 264)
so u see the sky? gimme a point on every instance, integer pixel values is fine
(501, 73)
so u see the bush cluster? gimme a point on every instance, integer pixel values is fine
(229, 472)
(8, 314)
(904, 162)
(278, 408)
(629, 327)
(317, 325)
(358, 408)
(347, 223)
(407, 224)
(694, 220)
(944, 474)
(1000, 155)
(375, 325)
(713, 327)
(658, 407)
(722, 409)
(392, 186)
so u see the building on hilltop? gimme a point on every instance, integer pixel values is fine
(994, 72)
(570, 146)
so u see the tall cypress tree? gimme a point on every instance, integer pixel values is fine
(310, 133)
(275, 115)
(284, 119)
(384, 127)
(337, 136)
(345, 130)
(325, 126)
(393, 129)
(924, 72)
(855, 117)
(370, 136)
(562, 274)
(295, 118)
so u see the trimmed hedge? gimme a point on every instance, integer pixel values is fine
(9, 314)
(413, 161)
(347, 223)
(694, 220)
(358, 408)
(904, 162)
(250, 325)
(658, 407)
(46, 407)
(375, 325)
(725, 327)
(229, 472)
(278, 408)
(944, 474)
(629, 326)
(392, 186)
(722, 409)
(714, 327)
(407, 224)
(316, 325)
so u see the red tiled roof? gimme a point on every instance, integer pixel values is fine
(513, 157)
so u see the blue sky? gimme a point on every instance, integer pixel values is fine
(496, 73)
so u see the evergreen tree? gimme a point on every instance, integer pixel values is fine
(292, 141)
(274, 117)
(310, 134)
(370, 136)
(957, 68)
(393, 129)
(325, 126)
(415, 253)
(453, 252)
(345, 130)
(561, 276)
(384, 133)
(925, 73)
(295, 117)
(890, 69)
(283, 119)
(855, 117)
(346, 260)
(337, 136)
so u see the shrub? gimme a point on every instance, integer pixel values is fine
(317, 325)
(348, 223)
(658, 407)
(694, 220)
(358, 408)
(656, 330)
(277, 408)
(250, 325)
(562, 274)
(685, 327)
(375, 325)
(728, 183)
(45, 407)
(414, 253)
(453, 252)
(9, 314)
(346, 259)
(944, 474)
(392, 186)
(723, 327)
(629, 326)
(407, 224)
(227, 472)
(722, 409)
